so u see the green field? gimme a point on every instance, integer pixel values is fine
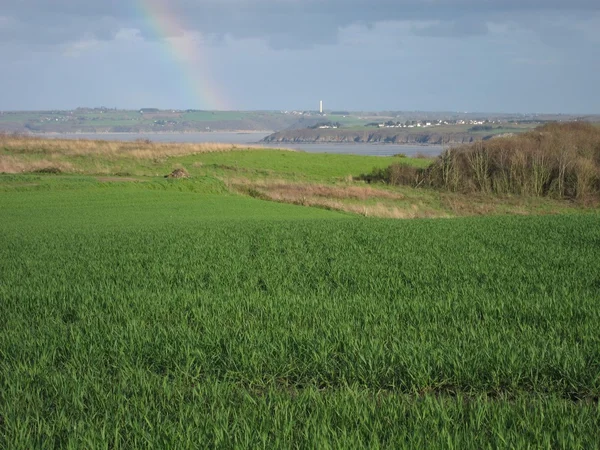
(294, 165)
(109, 120)
(148, 120)
(176, 313)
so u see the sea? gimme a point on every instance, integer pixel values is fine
(241, 138)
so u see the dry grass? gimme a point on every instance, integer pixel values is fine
(478, 204)
(372, 202)
(389, 211)
(141, 149)
(10, 164)
(353, 199)
(285, 188)
(19, 153)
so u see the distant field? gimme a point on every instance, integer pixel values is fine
(108, 120)
(100, 120)
(330, 181)
(174, 313)
(218, 115)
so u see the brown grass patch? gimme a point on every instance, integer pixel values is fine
(141, 149)
(178, 173)
(9, 164)
(286, 189)
(387, 211)
(340, 198)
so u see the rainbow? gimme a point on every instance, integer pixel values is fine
(186, 52)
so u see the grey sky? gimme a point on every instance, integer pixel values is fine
(459, 55)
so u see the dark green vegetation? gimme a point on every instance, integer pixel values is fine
(146, 120)
(172, 313)
(450, 134)
(557, 160)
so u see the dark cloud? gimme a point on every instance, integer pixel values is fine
(58, 28)
(283, 23)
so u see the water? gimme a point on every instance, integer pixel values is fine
(224, 137)
(256, 137)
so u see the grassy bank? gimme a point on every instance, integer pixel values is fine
(330, 181)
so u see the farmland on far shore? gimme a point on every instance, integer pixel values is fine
(154, 120)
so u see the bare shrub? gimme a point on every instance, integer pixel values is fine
(396, 174)
(420, 155)
(561, 160)
(404, 174)
(586, 175)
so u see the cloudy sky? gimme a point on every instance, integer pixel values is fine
(450, 55)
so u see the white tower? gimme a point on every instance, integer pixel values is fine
(321, 107)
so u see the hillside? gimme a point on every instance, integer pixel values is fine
(148, 120)
(446, 135)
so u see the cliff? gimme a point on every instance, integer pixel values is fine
(384, 135)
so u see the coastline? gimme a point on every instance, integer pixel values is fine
(256, 138)
(159, 133)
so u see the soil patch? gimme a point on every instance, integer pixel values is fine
(178, 173)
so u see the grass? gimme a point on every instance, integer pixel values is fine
(138, 311)
(18, 154)
(279, 175)
(141, 149)
(115, 204)
(173, 313)
(131, 121)
(297, 165)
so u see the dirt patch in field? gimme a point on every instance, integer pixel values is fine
(178, 173)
